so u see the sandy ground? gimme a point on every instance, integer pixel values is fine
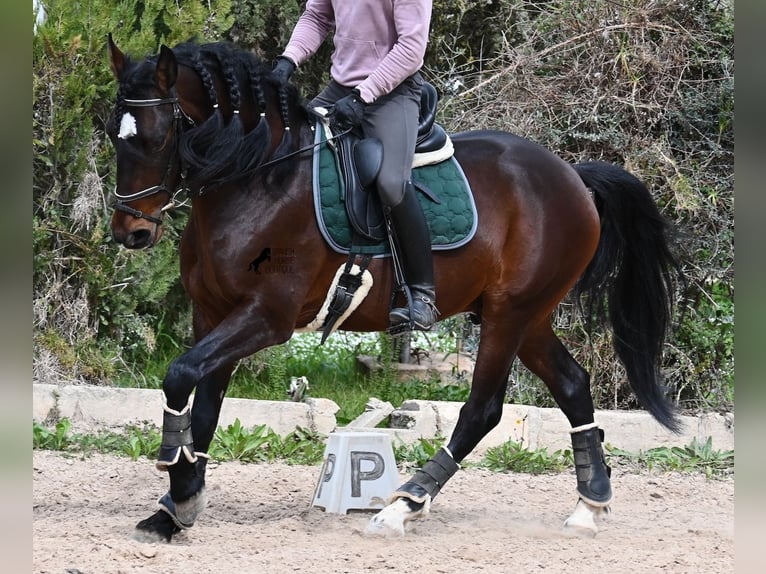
(259, 520)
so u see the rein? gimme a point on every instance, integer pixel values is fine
(178, 117)
(301, 150)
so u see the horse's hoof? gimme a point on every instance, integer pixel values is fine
(159, 527)
(389, 521)
(582, 522)
(392, 519)
(580, 531)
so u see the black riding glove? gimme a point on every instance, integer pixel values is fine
(281, 72)
(347, 112)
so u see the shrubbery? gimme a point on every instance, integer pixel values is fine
(648, 85)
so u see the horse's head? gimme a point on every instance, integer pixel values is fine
(197, 118)
(145, 128)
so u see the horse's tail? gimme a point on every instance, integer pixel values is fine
(631, 280)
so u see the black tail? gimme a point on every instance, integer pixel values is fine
(633, 271)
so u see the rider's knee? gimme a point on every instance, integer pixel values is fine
(390, 189)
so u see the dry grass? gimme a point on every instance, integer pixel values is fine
(647, 85)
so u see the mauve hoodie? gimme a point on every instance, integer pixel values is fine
(378, 43)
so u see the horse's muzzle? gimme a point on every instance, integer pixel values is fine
(140, 238)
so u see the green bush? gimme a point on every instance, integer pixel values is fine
(97, 308)
(265, 27)
(695, 457)
(513, 456)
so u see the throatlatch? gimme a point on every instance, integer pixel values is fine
(430, 479)
(593, 484)
(176, 437)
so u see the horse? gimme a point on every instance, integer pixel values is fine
(205, 119)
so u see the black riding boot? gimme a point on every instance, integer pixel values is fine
(414, 243)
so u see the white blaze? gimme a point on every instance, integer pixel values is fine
(127, 127)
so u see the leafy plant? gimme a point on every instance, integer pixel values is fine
(435, 390)
(417, 453)
(142, 442)
(260, 444)
(105, 442)
(302, 446)
(512, 456)
(133, 442)
(695, 457)
(237, 443)
(56, 439)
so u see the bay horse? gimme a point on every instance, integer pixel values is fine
(205, 118)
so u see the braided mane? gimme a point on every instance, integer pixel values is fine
(221, 149)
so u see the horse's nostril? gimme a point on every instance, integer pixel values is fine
(138, 239)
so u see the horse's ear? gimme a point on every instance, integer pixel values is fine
(116, 57)
(167, 69)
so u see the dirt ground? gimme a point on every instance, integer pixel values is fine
(259, 520)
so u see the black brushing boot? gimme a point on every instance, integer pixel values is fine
(593, 484)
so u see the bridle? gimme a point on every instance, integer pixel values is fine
(179, 116)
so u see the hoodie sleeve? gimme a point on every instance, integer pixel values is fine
(310, 31)
(412, 19)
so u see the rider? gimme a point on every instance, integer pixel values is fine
(375, 84)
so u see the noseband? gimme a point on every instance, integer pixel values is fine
(178, 117)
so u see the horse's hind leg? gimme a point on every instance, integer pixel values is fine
(543, 353)
(479, 415)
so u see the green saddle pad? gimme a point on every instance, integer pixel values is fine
(452, 222)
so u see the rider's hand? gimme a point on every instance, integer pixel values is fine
(347, 112)
(281, 72)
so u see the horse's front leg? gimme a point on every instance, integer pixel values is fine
(187, 479)
(188, 430)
